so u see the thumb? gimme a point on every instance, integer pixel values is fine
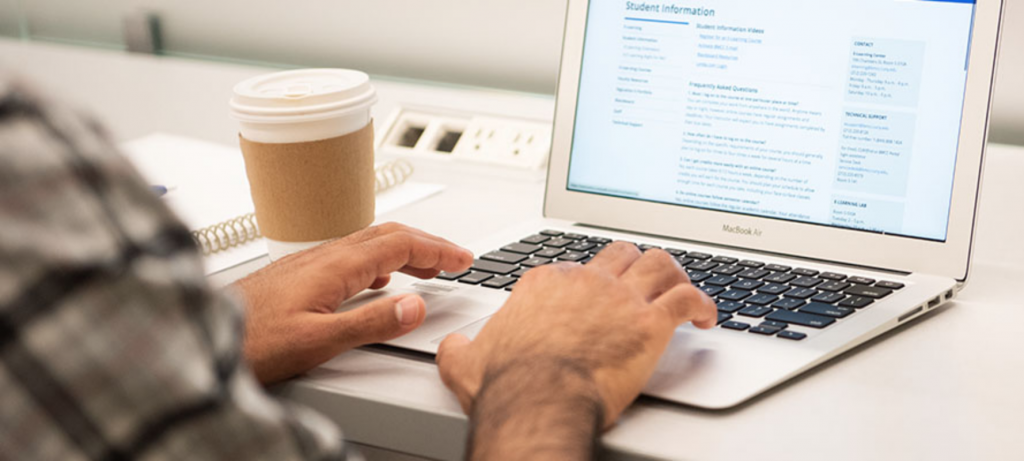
(380, 320)
(456, 374)
(449, 350)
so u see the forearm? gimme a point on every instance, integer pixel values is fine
(536, 409)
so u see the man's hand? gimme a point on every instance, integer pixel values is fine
(291, 324)
(570, 350)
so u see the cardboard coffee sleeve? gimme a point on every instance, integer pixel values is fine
(312, 191)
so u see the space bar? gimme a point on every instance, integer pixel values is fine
(800, 318)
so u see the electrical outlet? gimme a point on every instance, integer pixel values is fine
(520, 143)
(440, 135)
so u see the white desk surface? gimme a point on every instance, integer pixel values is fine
(947, 386)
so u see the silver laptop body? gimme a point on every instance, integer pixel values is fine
(840, 143)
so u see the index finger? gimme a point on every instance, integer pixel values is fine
(407, 250)
(384, 229)
(359, 264)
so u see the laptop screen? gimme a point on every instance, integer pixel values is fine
(843, 113)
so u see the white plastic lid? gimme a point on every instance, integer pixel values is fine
(302, 95)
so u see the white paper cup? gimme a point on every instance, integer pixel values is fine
(300, 106)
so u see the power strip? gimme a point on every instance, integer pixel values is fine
(447, 136)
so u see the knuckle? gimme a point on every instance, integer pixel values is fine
(400, 239)
(660, 257)
(618, 245)
(690, 295)
(533, 274)
(660, 264)
(390, 227)
(549, 269)
(568, 269)
(593, 276)
(330, 246)
(369, 233)
(624, 247)
(547, 272)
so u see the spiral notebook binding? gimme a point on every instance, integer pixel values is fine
(244, 229)
(392, 174)
(228, 234)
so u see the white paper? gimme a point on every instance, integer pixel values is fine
(207, 184)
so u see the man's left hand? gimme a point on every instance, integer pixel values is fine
(291, 324)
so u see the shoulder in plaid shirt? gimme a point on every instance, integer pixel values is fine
(112, 345)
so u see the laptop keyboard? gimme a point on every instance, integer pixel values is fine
(752, 296)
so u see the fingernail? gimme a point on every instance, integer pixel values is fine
(406, 310)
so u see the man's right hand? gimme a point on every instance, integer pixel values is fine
(573, 342)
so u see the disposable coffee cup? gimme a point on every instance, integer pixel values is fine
(307, 139)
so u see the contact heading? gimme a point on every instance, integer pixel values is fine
(670, 8)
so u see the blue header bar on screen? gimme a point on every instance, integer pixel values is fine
(951, 1)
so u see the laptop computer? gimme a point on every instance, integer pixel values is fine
(814, 166)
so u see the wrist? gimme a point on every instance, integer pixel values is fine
(536, 407)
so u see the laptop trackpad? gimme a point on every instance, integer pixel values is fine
(448, 311)
(470, 330)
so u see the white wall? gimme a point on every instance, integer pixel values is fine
(9, 17)
(1008, 115)
(500, 43)
(513, 44)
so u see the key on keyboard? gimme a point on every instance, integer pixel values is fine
(734, 295)
(735, 325)
(494, 267)
(475, 277)
(720, 280)
(573, 256)
(451, 275)
(730, 307)
(558, 242)
(856, 302)
(870, 292)
(521, 248)
(753, 273)
(801, 318)
(861, 280)
(504, 257)
(549, 253)
(761, 330)
(826, 310)
(773, 289)
(581, 246)
(755, 311)
(793, 335)
(536, 261)
(535, 239)
(748, 284)
(499, 282)
(779, 277)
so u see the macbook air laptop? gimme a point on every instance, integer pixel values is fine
(814, 166)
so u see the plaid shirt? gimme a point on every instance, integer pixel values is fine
(112, 345)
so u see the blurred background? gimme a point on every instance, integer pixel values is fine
(506, 44)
